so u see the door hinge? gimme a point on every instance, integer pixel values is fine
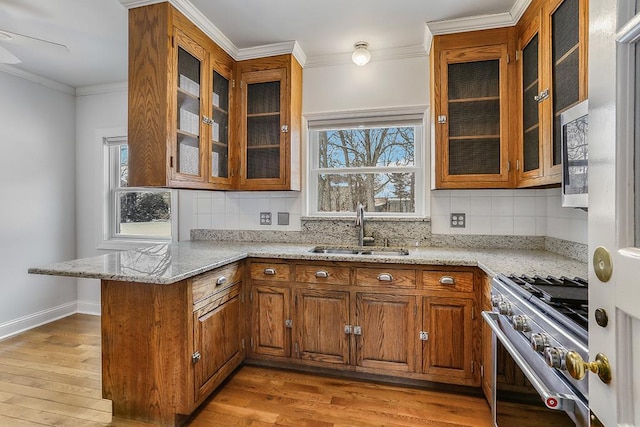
(424, 336)
(195, 357)
(288, 323)
(357, 330)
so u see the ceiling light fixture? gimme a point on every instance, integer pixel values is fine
(361, 54)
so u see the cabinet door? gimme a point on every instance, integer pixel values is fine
(221, 104)
(218, 339)
(447, 352)
(264, 128)
(322, 316)
(271, 320)
(473, 118)
(385, 332)
(188, 153)
(566, 22)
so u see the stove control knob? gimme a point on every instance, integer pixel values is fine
(521, 323)
(505, 308)
(555, 357)
(497, 299)
(539, 342)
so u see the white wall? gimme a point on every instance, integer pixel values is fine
(96, 112)
(37, 218)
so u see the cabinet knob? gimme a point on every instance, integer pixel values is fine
(385, 277)
(447, 280)
(323, 274)
(221, 280)
(195, 357)
(270, 271)
(285, 128)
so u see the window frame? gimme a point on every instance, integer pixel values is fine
(414, 117)
(110, 191)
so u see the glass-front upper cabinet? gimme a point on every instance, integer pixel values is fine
(221, 101)
(190, 64)
(552, 61)
(270, 108)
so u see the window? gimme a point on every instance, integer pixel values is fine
(133, 214)
(376, 161)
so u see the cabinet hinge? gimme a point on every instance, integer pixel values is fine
(481, 371)
(508, 58)
(472, 367)
(424, 336)
(517, 165)
(233, 83)
(508, 165)
(295, 347)
(518, 55)
(288, 323)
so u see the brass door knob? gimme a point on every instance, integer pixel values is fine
(578, 368)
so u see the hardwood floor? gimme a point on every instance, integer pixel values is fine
(50, 376)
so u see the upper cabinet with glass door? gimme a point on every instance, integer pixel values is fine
(552, 67)
(471, 83)
(270, 111)
(179, 102)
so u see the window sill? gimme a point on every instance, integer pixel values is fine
(126, 244)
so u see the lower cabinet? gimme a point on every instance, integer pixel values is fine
(385, 332)
(447, 344)
(386, 320)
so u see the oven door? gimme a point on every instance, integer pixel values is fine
(557, 403)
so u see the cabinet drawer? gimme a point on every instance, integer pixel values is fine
(272, 271)
(392, 278)
(211, 282)
(447, 281)
(322, 274)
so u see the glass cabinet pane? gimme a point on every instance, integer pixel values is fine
(530, 115)
(565, 39)
(220, 127)
(188, 126)
(263, 130)
(474, 117)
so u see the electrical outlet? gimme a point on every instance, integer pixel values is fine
(265, 218)
(458, 220)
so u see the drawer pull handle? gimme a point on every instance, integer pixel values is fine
(385, 277)
(323, 274)
(447, 280)
(270, 271)
(221, 281)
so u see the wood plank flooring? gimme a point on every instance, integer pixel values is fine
(50, 376)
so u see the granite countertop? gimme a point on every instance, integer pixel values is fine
(170, 263)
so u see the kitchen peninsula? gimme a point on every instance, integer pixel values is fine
(177, 319)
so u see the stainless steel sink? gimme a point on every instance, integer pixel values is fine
(378, 251)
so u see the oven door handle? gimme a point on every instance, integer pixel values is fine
(551, 400)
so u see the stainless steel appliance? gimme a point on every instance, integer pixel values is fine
(537, 321)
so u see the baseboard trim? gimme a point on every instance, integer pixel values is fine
(22, 324)
(89, 307)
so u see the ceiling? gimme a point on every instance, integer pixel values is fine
(95, 31)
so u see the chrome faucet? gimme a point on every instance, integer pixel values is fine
(360, 223)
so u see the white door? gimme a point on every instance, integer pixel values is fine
(614, 205)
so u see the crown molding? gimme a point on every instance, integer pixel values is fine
(480, 22)
(43, 81)
(376, 55)
(291, 47)
(102, 88)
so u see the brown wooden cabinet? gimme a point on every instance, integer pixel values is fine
(552, 70)
(269, 126)
(179, 102)
(471, 87)
(272, 320)
(166, 347)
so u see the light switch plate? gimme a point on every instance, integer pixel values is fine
(283, 218)
(458, 220)
(265, 218)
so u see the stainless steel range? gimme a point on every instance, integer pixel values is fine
(538, 321)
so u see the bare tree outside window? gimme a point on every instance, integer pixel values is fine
(375, 166)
